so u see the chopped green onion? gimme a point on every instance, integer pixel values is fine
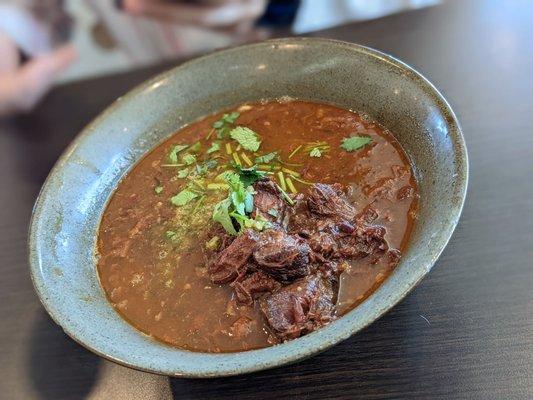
(290, 185)
(268, 167)
(281, 178)
(246, 159)
(236, 158)
(290, 172)
(228, 148)
(213, 243)
(285, 195)
(302, 181)
(295, 151)
(172, 165)
(197, 205)
(217, 186)
(210, 133)
(198, 183)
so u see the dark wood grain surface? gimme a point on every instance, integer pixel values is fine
(466, 332)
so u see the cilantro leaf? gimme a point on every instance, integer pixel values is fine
(173, 154)
(183, 197)
(223, 125)
(221, 215)
(215, 146)
(266, 158)
(189, 159)
(248, 175)
(182, 173)
(247, 138)
(355, 142)
(259, 223)
(158, 189)
(171, 235)
(206, 166)
(195, 148)
(315, 152)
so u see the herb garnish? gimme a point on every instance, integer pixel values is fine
(316, 149)
(215, 146)
(247, 138)
(239, 203)
(171, 235)
(315, 152)
(266, 158)
(195, 148)
(158, 189)
(189, 159)
(182, 173)
(355, 142)
(249, 175)
(173, 154)
(223, 125)
(183, 197)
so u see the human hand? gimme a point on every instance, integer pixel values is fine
(22, 86)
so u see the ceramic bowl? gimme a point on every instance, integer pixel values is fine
(68, 211)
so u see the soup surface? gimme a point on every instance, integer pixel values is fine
(256, 226)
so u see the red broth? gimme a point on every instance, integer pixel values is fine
(151, 264)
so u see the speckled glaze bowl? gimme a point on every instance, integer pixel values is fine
(67, 213)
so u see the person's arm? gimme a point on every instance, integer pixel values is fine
(22, 86)
(219, 14)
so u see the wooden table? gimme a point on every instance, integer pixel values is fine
(465, 332)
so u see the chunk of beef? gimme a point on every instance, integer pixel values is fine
(367, 239)
(323, 243)
(329, 201)
(268, 201)
(368, 215)
(282, 256)
(231, 261)
(299, 219)
(300, 307)
(256, 283)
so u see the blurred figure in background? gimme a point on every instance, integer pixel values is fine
(31, 38)
(122, 34)
(154, 30)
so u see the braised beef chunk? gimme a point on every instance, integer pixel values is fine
(256, 283)
(292, 269)
(324, 244)
(281, 255)
(300, 307)
(329, 201)
(364, 241)
(231, 261)
(299, 218)
(268, 202)
(368, 215)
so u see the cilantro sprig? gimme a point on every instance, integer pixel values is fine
(235, 210)
(246, 137)
(353, 143)
(224, 125)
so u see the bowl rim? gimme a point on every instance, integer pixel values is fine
(296, 352)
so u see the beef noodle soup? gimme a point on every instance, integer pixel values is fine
(256, 226)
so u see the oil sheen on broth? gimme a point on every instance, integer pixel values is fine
(151, 242)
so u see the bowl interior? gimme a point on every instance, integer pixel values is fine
(68, 211)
